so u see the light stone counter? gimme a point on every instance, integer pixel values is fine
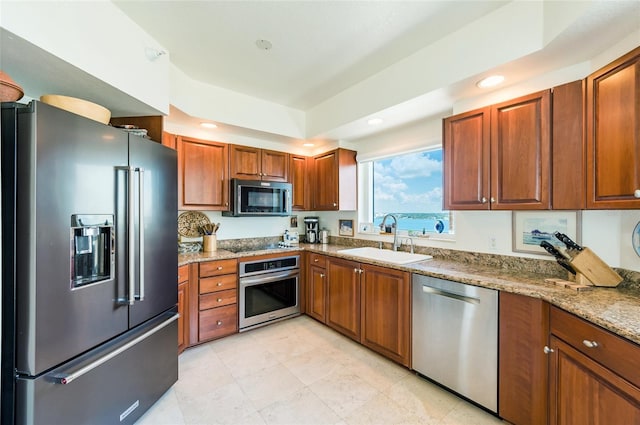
(615, 309)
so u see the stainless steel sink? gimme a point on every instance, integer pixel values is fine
(385, 255)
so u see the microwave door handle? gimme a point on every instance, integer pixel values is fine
(287, 201)
(140, 296)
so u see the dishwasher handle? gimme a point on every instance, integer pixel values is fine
(435, 291)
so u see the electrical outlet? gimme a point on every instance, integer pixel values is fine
(492, 242)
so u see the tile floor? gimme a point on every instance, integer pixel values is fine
(301, 372)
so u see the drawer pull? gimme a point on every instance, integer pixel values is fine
(547, 350)
(219, 322)
(219, 284)
(315, 260)
(219, 300)
(590, 344)
(219, 267)
(322, 275)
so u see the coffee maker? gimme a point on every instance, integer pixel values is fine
(312, 229)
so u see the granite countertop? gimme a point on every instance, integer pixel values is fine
(614, 309)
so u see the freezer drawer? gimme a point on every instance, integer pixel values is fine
(455, 337)
(132, 372)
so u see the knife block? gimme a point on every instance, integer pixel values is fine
(591, 270)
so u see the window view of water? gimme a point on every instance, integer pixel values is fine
(417, 223)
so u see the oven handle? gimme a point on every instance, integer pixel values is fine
(268, 277)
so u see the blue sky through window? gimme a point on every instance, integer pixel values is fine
(409, 185)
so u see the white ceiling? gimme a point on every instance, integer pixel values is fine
(319, 47)
(322, 48)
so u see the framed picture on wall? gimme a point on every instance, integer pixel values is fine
(529, 228)
(345, 227)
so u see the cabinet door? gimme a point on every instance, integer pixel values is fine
(520, 153)
(317, 295)
(568, 147)
(244, 162)
(466, 160)
(274, 166)
(584, 392)
(299, 178)
(325, 171)
(343, 297)
(386, 308)
(169, 140)
(523, 371)
(613, 134)
(202, 175)
(183, 320)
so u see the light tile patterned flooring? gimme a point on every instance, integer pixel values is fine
(301, 372)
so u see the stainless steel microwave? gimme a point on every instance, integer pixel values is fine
(250, 198)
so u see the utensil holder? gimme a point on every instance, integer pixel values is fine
(591, 270)
(209, 243)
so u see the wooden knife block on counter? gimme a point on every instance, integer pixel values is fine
(591, 270)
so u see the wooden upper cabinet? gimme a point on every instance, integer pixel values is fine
(466, 160)
(299, 177)
(613, 134)
(334, 181)
(169, 140)
(499, 157)
(251, 163)
(521, 153)
(203, 182)
(568, 147)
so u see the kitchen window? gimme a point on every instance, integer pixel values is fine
(408, 186)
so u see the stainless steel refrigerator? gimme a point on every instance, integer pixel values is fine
(89, 269)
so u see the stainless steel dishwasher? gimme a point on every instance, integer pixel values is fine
(455, 337)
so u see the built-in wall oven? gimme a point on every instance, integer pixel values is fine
(269, 291)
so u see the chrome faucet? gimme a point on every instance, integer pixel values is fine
(410, 241)
(395, 229)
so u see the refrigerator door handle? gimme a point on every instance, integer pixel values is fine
(140, 171)
(130, 207)
(67, 378)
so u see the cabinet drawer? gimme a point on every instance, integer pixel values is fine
(218, 283)
(183, 273)
(317, 260)
(215, 268)
(612, 351)
(218, 299)
(218, 322)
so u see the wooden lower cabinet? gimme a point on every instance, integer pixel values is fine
(218, 299)
(316, 305)
(183, 307)
(385, 313)
(594, 374)
(369, 304)
(523, 370)
(343, 297)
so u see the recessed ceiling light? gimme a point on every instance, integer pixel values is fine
(264, 44)
(308, 145)
(208, 125)
(374, 121)
(490, 81)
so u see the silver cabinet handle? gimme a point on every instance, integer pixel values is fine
(219, 284)
(493, 199)
(590, 344)
(219, 300)
(219, 267)
(322, 275)
(483, 200)
(219, 323)
(141, 230)
(67, 378)
(547, 350)
(636, 193)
